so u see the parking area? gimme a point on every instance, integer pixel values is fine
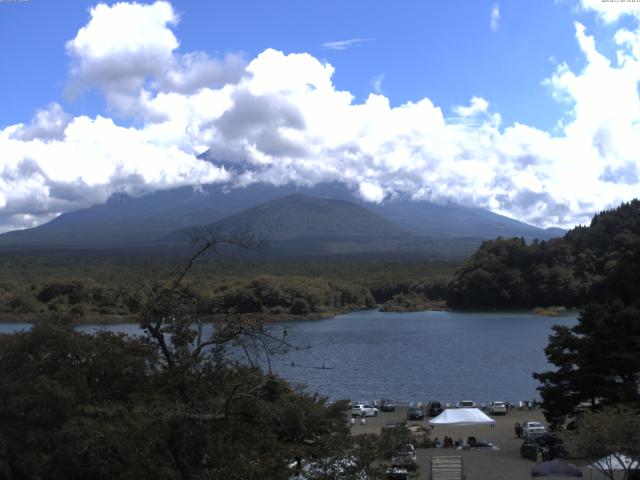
(503, 463)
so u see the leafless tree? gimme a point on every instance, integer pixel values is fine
(169, 312)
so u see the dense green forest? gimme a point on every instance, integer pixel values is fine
(569, 271)
(90, 289)
(594, 383)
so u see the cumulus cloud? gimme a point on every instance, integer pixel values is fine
(47, 124)
(478, 105)
(120, 48)
(495, 17)
(96, 158)
(279, 118)
(259, 122)
(194, 71)
(611, 11)
(127, 51)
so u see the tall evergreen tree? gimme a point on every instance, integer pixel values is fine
(597, 360)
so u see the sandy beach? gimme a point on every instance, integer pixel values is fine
(505, 463)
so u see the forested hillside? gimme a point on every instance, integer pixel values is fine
(597, 361)
(569, 271)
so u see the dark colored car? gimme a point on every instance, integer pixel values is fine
(551, 446)
(529, 450)
(415, 413)
(405, 458)
(395, 473)
(435, 409)
(387, 405)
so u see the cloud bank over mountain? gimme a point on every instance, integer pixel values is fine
(280, 116)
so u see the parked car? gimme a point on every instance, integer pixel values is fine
(529, 449)
(387, 405)
(435, 409)
(405, 458)
(415, 413)
(397, 473)
(362, 410)
(532, 428)
(498, 408)
(551, 446)
(466, 404)
(556, 446)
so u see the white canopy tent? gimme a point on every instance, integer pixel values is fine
(462, 417)
(614, 462)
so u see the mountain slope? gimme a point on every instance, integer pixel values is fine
(124, 221)
(298, 216)
(121, 221)
(451, 220)
(301, 226)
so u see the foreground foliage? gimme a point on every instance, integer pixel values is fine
(74, 405)
(171, 403)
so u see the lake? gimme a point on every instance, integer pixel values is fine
(410, 357)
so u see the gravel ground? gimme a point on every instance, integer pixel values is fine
(480, 463)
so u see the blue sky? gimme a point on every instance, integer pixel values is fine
(485, 103)
(442, 50)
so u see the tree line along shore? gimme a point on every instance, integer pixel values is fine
(93, 290)
(502, 274)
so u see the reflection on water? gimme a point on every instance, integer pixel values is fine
(411, 356)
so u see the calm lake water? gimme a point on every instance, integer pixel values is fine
(412, 357)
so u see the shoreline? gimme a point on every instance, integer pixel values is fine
(111, 319)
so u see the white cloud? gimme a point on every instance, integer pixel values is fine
(495, 17)
(281, 119)
(478, 105)
(47, 124)
(127, 51)
(610, 11)
(94, 159)
(371, 192)
(344, 44)
(120, 48)
(376, 83)
(197, 70)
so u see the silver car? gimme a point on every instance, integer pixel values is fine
(498, 408)
(532, 429)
